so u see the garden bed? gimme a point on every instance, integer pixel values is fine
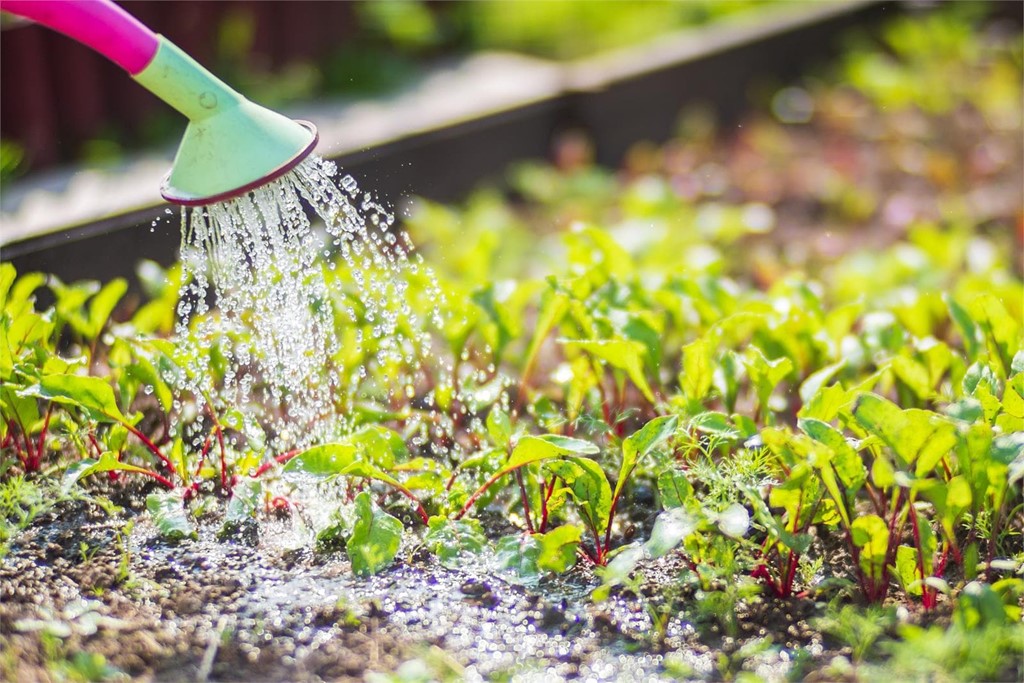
(751, 405)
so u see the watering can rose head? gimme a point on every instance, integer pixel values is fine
(231, 145)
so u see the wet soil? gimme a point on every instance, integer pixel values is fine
(78, 580)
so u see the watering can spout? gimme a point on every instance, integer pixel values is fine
(231, 145)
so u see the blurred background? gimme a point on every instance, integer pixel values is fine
(65, 103)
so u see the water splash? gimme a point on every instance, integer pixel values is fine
(259, 315)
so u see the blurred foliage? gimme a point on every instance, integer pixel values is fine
(12, 158)
(395, 38)
(568, 29)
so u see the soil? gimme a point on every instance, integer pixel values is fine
(80, 580)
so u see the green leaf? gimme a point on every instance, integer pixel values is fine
(734, 521)
(871, 535)
(92, 394)
(675, 489)
(143, 371)
(671, 528)
(558, 548)
(815, 382)
(452, 540)
(968, 329)
(245, 501)
(108, 462)
(170, 517)
(1008, 450)
(553, 307)
(907, 571)
(623, 564)
(375, 538)
(519, 553)
(913, 435)
(827, 403)
(715, 424)
(531, 449)
(22, 409)
(698, 370)
(19, 299)
(334, 534)
(958, 496)
(799, 543)
(491, 301)
(7, 276)
(764, 374)
(323, 461)
(641, 443)
(972, 555)
(102, 305)
(1012, 418)
(589, 487)
(499, 428)
(727, 378)
(846, 461)
(1001, 332)
(622, 354)
(914, 375)
(379, 445)
(795, 496)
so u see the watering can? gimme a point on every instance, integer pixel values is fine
(231, 145)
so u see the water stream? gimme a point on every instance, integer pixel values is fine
(269, 347)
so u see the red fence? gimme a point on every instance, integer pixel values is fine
(58, 94)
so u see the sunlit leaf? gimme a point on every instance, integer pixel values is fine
(170, 517)
(375, 538)
(92, 394)
(452, 540)
(558, 548)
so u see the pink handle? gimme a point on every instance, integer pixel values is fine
(100, 24)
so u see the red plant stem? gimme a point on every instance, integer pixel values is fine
(419, 506)
(149, 445)
(165, 437)
(223, 458)
(31, 460)
(586, 553)
(479, 492)
(46, 427)
(611, 516)
(895, 514)
(28, 461)
(875, 501)
(277, 460)
(858, 571)
(150, 473)
(945, 466)
(940, 566)
(202, 456)
(794, 559)
(451, 480)
(544, 506)
(927, 597)
(526, 502)
(96, 445)
(599, 551)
